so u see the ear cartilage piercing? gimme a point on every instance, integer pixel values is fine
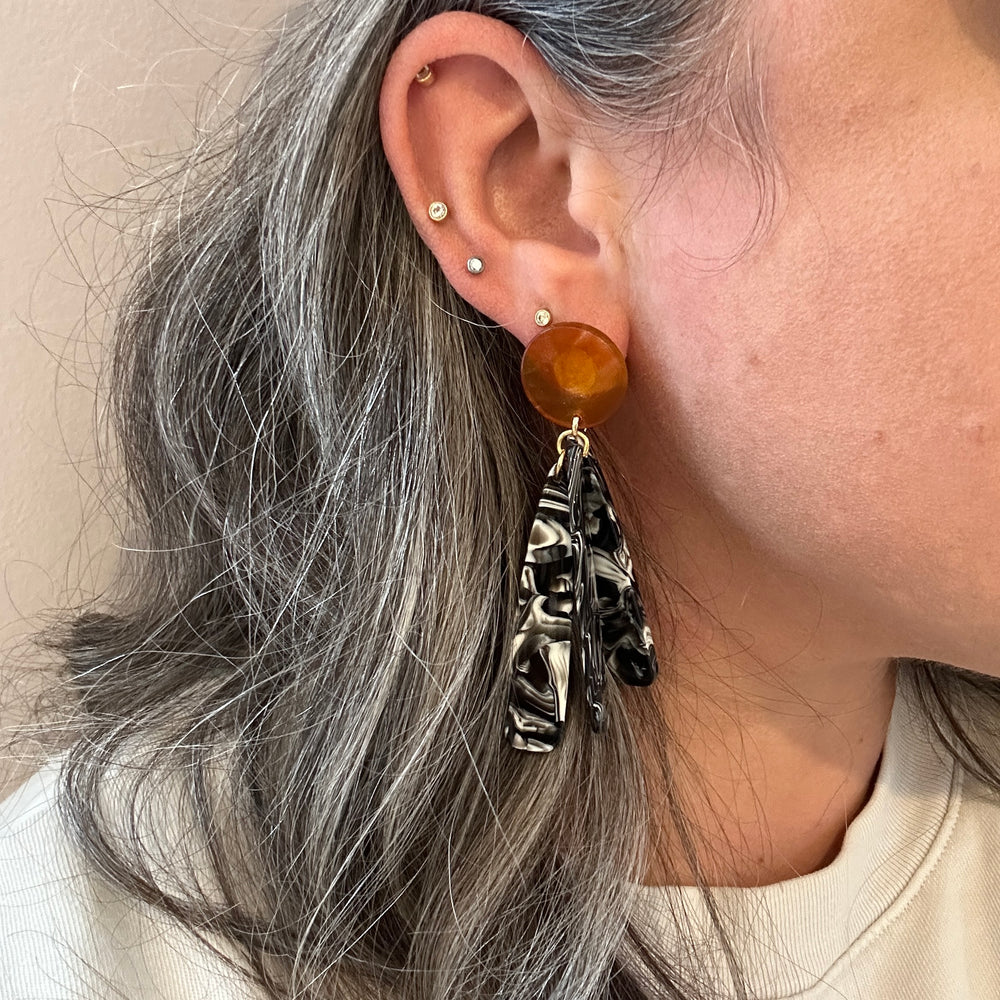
(425, 76)
(474, 265)
(438, 211)
(543, 317)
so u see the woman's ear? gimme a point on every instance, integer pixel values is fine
(497, 139)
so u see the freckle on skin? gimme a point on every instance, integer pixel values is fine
(977, 433)
(754, 360)
(879, 437)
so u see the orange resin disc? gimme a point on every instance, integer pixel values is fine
(573, 370)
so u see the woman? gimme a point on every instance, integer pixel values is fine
(288, 743)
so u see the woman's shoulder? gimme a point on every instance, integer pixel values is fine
(36, 857)
(67, 933)
(22, 804)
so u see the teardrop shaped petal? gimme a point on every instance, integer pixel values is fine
(543, 641)
(627, 639)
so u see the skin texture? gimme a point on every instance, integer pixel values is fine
(811, 430)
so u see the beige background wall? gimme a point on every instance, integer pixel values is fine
(85, 85)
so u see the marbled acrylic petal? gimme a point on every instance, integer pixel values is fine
(544, 639)
(627, 639)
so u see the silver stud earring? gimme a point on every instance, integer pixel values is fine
(474, 265)
(438, 211)
(543, 317)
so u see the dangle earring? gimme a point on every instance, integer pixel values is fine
(579, 606)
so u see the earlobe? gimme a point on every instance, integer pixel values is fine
(488, 136)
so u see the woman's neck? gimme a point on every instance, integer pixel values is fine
(769, 782)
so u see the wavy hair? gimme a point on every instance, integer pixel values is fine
(331, 470)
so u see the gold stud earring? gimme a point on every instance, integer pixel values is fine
(543, 317)
(438, 211)
(425, 76)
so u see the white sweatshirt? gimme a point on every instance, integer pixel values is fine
(908, 910)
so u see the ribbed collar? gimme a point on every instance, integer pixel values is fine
(793, 934)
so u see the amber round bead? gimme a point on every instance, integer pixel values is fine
(573, 370)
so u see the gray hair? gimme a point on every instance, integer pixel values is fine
(331, 471)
